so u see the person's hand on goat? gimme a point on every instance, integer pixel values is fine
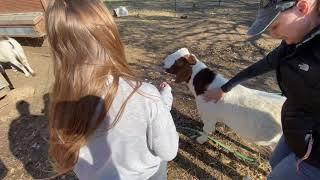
(213, 95)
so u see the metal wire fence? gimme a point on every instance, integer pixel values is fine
(166, 5)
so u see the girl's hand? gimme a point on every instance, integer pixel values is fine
(163, 85)
(213, 95)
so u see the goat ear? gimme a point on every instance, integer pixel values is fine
(183, 75)
(191, 59)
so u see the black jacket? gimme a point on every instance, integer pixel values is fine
(298, 75)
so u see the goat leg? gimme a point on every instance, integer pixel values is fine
(4, 74)
(203, 138)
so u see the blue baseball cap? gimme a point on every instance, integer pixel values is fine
(268, 12)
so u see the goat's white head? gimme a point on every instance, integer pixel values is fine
(180, 64)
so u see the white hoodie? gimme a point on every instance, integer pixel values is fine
(143, 137)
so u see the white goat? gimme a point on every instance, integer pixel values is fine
(254, 115)
(12, 52)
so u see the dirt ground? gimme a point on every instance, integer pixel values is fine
(217, 36)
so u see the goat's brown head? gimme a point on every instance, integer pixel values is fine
(181, 67)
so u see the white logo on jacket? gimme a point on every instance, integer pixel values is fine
(304, 66)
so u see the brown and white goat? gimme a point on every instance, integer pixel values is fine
(254, 115)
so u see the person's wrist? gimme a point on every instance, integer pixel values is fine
(223, 89)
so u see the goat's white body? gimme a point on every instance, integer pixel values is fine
(11, 51)
(254, 115)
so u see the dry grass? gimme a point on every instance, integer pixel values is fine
(150, 13)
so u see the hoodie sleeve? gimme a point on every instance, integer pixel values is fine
(166, 97)
(162, 133)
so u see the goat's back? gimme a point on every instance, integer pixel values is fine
(253, 114)
(10, 49)
(255, 100)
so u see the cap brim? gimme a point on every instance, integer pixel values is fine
(263, 20)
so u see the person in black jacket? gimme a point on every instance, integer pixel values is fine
(297, 64)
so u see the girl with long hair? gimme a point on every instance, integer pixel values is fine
(104, 123)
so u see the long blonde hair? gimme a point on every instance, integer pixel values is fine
(86, 50)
